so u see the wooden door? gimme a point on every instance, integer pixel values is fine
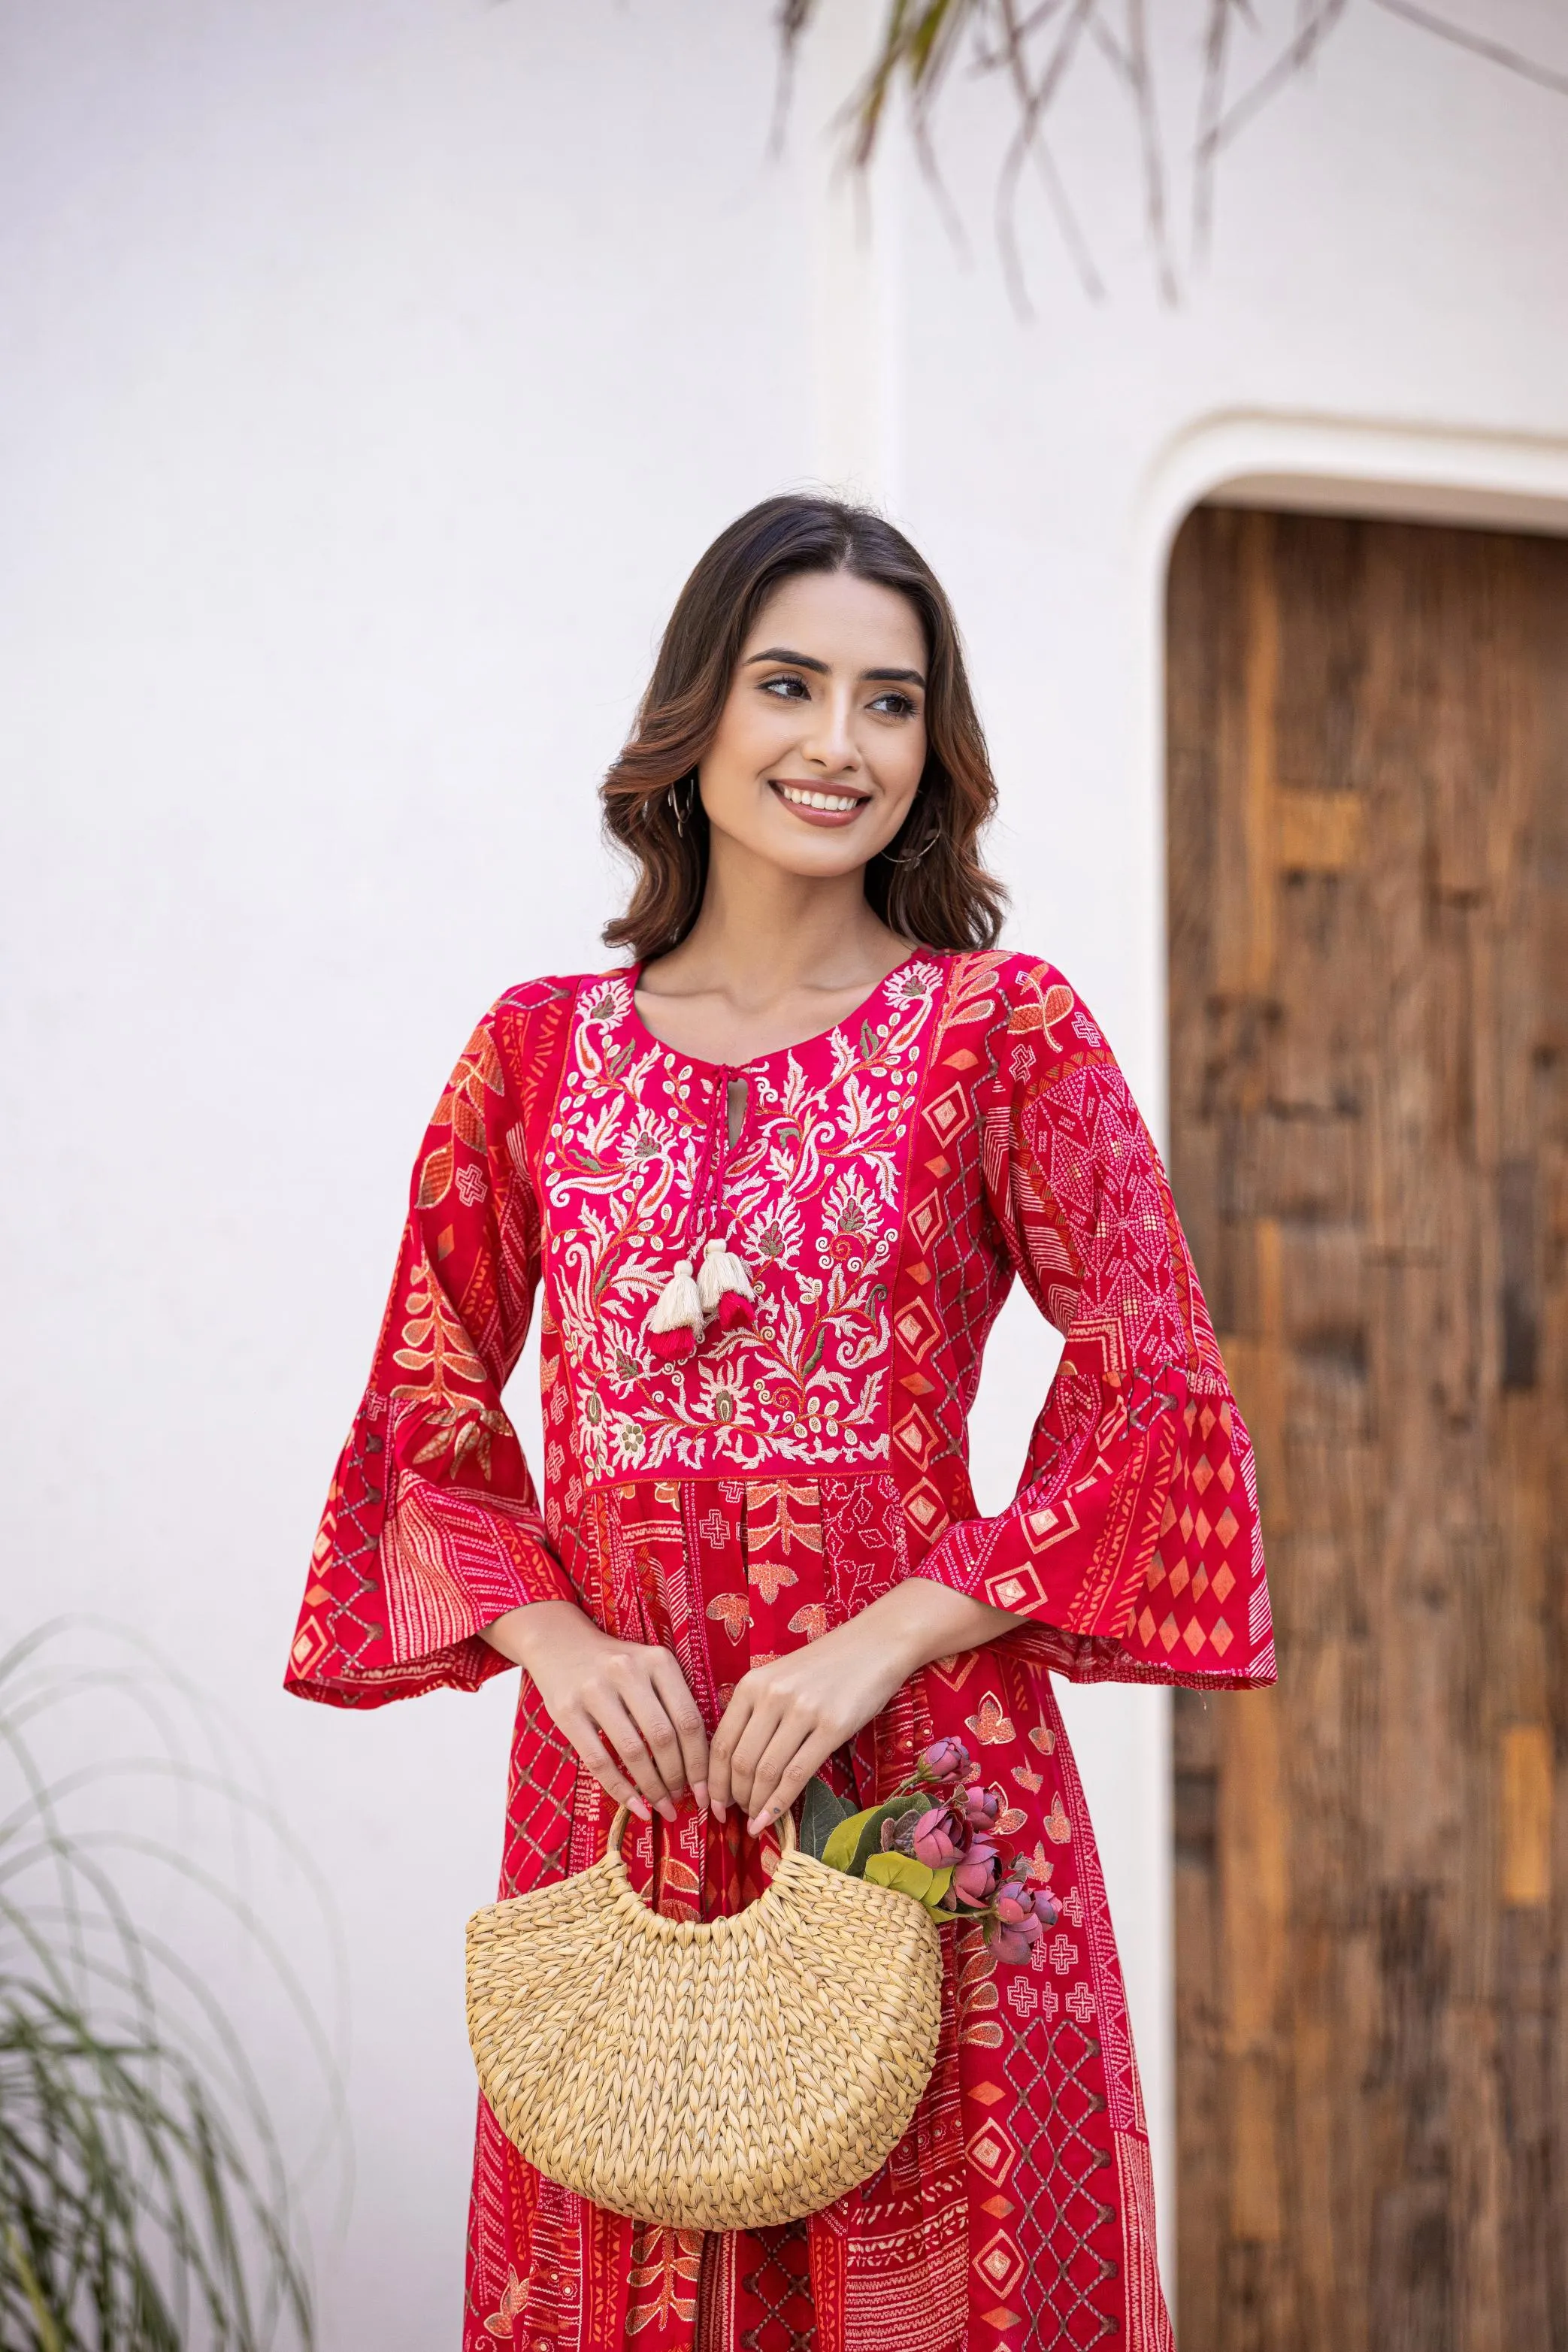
(1368, 729)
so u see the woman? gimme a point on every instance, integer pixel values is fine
(772, 1182)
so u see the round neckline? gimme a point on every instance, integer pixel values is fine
(856, 1014)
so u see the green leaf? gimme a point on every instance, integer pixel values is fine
(910, 1877)
(821, 1812)
(861, 1834)
(849, 1843)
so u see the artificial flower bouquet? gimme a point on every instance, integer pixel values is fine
(934, 1838)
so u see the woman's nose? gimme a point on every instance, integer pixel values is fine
(831, 739)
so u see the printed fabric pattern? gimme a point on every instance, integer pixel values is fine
(886, 1184)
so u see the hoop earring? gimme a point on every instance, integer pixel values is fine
(681, 809)
(909, 857)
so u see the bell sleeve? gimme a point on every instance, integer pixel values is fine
(1132, 1544)
(432, 1528)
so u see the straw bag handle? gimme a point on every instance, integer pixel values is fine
(784, 1826)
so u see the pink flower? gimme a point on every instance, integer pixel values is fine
(974, 1879)
(1009, 1944)
(934, 1839)
(1017, 1911)
(944, 1760)
(1015, 1925)
(981, 1805)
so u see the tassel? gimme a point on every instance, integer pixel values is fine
(724, 1288)
(675, 1325)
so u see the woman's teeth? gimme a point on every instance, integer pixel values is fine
(835, 801)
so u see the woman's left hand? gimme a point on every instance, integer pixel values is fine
(786, 1717)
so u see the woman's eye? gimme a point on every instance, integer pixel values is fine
(786, 688)
(896, 706)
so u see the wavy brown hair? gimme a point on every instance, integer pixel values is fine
(929, 883)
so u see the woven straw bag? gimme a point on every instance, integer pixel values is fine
(721, 2074)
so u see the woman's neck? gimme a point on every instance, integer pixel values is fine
(773, 957)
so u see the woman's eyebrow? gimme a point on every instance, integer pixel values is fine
(796, 661)
(809, 661)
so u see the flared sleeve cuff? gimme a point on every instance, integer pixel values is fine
(1140, 1558)
(407, 1569)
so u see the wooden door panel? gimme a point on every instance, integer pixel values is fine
(1368, 780)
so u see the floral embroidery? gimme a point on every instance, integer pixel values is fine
(637, 1174)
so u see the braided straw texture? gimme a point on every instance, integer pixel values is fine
(721, 2074)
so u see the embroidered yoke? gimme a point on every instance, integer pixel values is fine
(887, 1182)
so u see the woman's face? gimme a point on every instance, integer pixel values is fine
(821, 740)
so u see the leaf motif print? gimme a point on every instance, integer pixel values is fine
(468, 1122)
(435, 1177)
(436, 1345)
(732, 1611)
(990, 1725)
(1010, 1822)
(1027, 1780)
(769, 1576)
(663, 2277)
(1043, 1738)
(812, 1621)
(500, 2321)
(1058, 1829)
(1057, 1005)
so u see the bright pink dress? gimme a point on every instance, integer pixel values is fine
(889, 1182)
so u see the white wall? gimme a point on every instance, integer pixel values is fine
(374, 370)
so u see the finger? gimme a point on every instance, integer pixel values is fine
(620, 1729)
(773, 1798)
(789, 1735)
(721, 1749)
(606, 1770)
(761, 1727)
(686, 1717)
(646, 1706)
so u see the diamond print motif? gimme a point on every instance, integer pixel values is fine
(1064, 2229)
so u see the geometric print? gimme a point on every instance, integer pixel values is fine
(965, 1128)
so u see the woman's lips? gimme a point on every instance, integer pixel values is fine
(823, 807)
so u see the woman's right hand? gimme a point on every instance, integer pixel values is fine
(624, 1705)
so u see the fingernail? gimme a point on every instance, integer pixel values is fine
(718, 1811)
(700, 1794)
(666, 1809)
(639, 1805)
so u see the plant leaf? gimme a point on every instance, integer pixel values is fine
(861, 1834)
(846, 1847)
(821, 1812)
(910, 1877)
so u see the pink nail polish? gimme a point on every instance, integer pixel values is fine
(666, 1809)
(700, 1794)
(639, 1805)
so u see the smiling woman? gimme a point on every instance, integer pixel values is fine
(807, 601)
(772, 1182)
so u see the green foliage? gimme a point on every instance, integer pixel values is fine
(821, 1812)
(144, 2205)
(860, 1836)
(911, 1877)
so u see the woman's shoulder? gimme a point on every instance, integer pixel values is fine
(1026, 988)
(1029, 1002)
(552, 994)
(518, 1028)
